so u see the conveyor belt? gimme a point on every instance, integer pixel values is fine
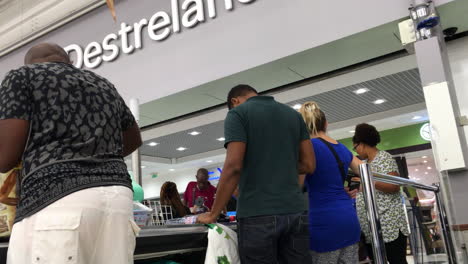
(154, 242)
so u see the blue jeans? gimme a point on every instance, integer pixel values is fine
(274, 239)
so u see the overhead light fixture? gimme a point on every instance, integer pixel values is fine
(171, 170)
(379, 101)
(424, 157)
(429, 168)
(153, 144)
(416, 170)
(181, 149)
(361, 91)
(297, 106)
(426, 173)
(143, 167)
(221, 139)
(425, 161)
(352, 131)
(194, 133)
(416, 117)
(209, 161)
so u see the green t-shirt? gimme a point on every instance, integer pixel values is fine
(272, 132)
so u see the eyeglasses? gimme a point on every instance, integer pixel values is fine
(355, 147)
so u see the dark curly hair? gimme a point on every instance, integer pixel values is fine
(366, 134)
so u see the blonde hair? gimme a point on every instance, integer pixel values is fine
(313, 117)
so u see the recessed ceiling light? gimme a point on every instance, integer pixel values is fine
(297, 106)
(379, 101)
(181, 149)
(221, 139)
(416, 170)
(361, 91)
(209, 161)
(194, 133)
(153, 144)
(171, 170)
(143, 167)
(352, 131)
(425, 161)
(424, 157)
(429, 168)
(426, 173)
(416, 117)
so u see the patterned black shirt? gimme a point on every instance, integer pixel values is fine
(76, 121)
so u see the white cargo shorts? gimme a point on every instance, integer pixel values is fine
(92, 226)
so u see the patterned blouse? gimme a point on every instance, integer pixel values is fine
(390, 205)
(76, 122)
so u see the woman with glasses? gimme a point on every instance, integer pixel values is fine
(389, 201)
(333, 222)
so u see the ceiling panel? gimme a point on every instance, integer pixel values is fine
(24, 20)
(347, 51)
(204, 142)
(214, 93)
(400, 90)
(156, 112)
(11, 9)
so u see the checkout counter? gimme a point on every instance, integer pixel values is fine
(180, 243)
(169, 242)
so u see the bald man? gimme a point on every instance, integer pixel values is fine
(70, 129)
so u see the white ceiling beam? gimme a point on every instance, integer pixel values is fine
(45, 17)
(183, 125)
(151, 159)
(341, 81)
(202, 155)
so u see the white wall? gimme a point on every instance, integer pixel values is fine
(152, 186)
(235, 41)
(181, 177)
(458, 181)
(458, 56)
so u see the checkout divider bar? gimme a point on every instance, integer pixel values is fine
(368, 187)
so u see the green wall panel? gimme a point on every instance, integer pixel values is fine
(396, 138)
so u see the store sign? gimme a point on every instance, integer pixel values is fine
(158, 28)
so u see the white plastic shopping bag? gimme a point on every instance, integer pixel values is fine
(222, 245)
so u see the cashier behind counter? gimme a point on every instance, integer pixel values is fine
(199, 196)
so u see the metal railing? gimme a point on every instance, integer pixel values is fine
(367, 179)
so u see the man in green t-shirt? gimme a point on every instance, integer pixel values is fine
(268, 146)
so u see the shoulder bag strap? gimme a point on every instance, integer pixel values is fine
(338, 160)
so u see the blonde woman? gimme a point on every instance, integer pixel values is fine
(333, 221)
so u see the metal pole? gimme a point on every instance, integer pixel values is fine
(451, 253)
(373, 214)
(402, 182)
(136, 166)
(136, 161)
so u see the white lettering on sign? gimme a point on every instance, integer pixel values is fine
(194, 13)
(92, 55)
(108, 46)
(158, 28)
(159, 22)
